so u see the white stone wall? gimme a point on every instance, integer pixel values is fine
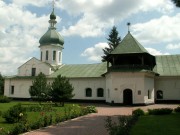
(21, 88)
(80, 85)
(170, 87)
(50, 49)
(149, 86)
(117, 82)
(26, 68)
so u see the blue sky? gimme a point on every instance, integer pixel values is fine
(85, 25)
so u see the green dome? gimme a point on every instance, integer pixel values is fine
(51, 37)
(52, 15)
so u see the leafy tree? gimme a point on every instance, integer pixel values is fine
(176, 2)
(1, 85)
(40, 89)
(113, 41)
(61, 90)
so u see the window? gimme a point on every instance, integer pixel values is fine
(100, 92)
(149, 94)
(33, 71)
(41, 55)
(159, 94)
(47, 55)
(59, 56)
(88, 92)
(54, 55)
(12, 90)
(139, 92)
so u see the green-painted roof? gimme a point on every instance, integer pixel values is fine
(129, 45)
(51, 37)
(168, 65)
(81, 70)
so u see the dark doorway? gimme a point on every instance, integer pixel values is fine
(127, 97)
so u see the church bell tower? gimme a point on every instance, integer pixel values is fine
(51, 44)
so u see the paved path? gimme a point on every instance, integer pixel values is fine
(91, 124)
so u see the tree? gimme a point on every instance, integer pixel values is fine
(176, 2)
(61, 90)
(1, 85)
(113, 41)
(40, 89)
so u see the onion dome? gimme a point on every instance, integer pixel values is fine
(52, 37)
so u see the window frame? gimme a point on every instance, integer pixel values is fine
(100, 92)
(88, 92)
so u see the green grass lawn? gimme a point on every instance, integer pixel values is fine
(32, 116)
(157, 125)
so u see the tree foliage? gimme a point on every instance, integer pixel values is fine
(40, 89)
(176, 2)
(1, 85)
(113, 41)
(61, 89)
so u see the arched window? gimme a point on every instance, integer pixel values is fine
(149, 94)
(100, 92)
(47, 55)
(159, 94)
(88, 92)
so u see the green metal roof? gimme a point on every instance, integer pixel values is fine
(168, 65)
(51, 37)
(81, 70)
(129, 45)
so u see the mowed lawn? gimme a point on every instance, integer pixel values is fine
(157, 125)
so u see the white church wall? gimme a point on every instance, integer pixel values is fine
(149, 90)
(80, 85)
(17, 88)
(50, 49)
(170, 86)
(26, 69)
(127, 80)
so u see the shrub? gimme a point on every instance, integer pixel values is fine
(138, 112)
(122, 127)
(15, 114)
(161, 111)
(47, 120)
(4, 99)
(177, 109)
(37, 124)
(3, 132)
(18, 128)
(91, 109)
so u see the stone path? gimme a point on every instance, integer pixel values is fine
(91, 124)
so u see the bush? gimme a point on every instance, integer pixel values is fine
(138, 112)
(161, 111)
(4, 99)
(15, 114)
(18, 128)
(91, 109)
(122, 127)
(37, 124)
(177, 109)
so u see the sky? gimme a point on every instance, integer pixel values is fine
(85, 26)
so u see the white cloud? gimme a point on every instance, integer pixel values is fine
(155, 52)
(97, 15)
(20, 33)
(95, 53)
(173, 46)
(163, 29)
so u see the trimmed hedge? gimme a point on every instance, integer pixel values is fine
(161, 111)
(4, 99)
(138, 112)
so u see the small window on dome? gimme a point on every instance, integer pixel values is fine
(47, 53)
(54, 55)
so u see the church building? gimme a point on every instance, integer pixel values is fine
(130, 75)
